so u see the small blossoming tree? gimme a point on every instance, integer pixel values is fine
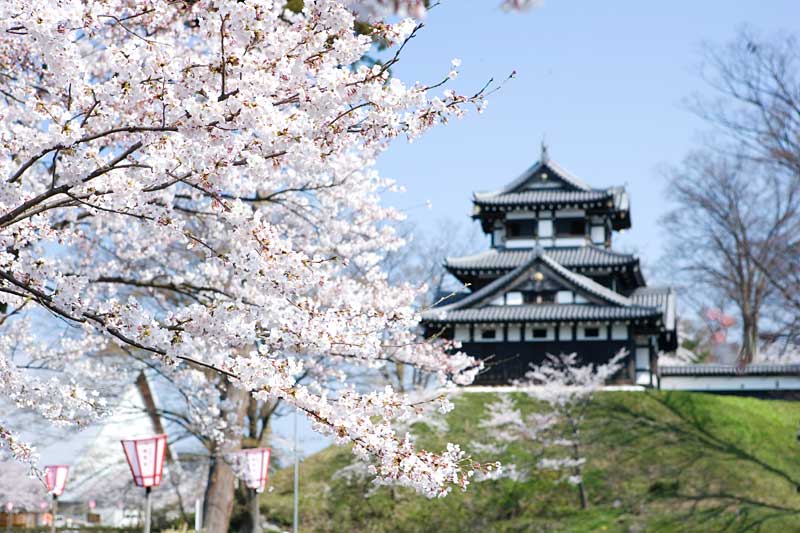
(566, 388)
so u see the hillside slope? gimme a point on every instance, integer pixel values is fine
(657, 462)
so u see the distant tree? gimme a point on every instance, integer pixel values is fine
(567, 388)
(737, 213)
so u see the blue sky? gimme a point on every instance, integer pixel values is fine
(604, 81)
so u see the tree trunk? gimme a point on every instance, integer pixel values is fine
(582, 494)
(749, 339)
(218, 501)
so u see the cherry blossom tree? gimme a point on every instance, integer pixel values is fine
(192, 184)
(556, 435)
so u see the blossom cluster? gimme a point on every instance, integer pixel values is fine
(191, 184)
(565, 386)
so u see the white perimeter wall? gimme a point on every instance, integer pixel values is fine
(730, 383)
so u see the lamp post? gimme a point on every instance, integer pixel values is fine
(55, 477)
(146, 459)
(296, 491)
(253, 467)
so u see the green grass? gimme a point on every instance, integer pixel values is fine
(657, 462)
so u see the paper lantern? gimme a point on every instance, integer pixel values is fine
(253, 465)
(146, 459)
(55, 477)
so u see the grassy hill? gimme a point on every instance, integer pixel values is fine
(656, 462)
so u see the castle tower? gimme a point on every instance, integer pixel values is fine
(551, 283)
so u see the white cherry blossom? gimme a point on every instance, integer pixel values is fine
(191, 185)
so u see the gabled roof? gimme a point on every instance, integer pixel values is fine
(581, 284)
(541, 313)
(604, 304)
(553, 170)
(570, 257)
(559, 189)
(544, 196)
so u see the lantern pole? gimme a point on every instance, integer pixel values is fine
(296, 479)
(147, 509)
(53, 510)
(255, 512)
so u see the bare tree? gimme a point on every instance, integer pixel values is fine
(737, 198)
(727, 228)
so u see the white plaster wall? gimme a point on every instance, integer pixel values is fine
(514, 298)
(570, 213)
(570, 241)
(642, 358)
(461, 333)
(519, 243)
(619, 331)
(598, 234)
(545, 228)
(730, 383)
(565, 297)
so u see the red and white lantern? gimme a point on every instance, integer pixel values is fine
(146, 459)
(253, 466)
(55, 477)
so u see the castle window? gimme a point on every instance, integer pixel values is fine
(489, 334)
(520, 229)
(591, 332)
(539, 333)
(570, 227)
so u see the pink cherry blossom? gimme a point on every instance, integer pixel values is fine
(192, 185)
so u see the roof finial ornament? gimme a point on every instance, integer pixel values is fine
(544, 157)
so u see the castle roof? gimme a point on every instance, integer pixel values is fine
(572, 257)
(546, 185)
(543, 313)
(602, 303)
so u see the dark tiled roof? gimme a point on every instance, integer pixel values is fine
(662, 298)
(542, 196)
(730, 370)
(551, 167)
(541, 313)
(645, 303)
(571, 257)
(589, 285)
(539, 255)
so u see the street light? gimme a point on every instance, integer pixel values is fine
(146, 459)
(253, 466)
(55, 477)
